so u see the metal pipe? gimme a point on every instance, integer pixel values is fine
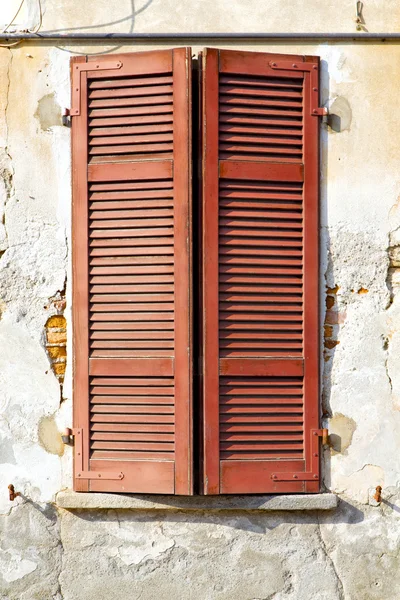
(171, 37)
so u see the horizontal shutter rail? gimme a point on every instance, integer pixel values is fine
(261, 367)
(137, 65)
(152, 171)
(137, 367)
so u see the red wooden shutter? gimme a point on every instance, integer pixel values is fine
(260, 272)
(131, 272)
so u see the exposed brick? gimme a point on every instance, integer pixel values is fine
(59, 368)
(57, 351)
(56, 321)
(331, 344)
(334, 317)
(333, 290)
(56, 337)
(329, 301)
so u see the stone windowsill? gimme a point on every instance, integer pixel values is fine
(80, 500)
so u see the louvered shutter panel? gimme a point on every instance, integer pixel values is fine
(131, 272)
(260, 272)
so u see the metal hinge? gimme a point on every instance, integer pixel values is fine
(79, 68)
(312, 68)
(313, 474)
(66, 118)
(79, 472)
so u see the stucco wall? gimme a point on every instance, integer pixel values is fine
(351, 553)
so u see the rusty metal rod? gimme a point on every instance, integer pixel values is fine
(378, 492)
(166, 37)
(12, 493)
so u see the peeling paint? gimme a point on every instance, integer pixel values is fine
(14, 567)
(48, 112)
(50, 437)
(341, 430)
(340, 115)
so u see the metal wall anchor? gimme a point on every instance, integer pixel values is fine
(377, 496)
(12, 493)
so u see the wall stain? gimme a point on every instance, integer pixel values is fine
(340, 115)
(48, 112)
(50, 437)
(341, 430)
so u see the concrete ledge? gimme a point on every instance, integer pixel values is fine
(80, 500)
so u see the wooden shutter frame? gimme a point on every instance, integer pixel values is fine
(216, 479)
(84, 478)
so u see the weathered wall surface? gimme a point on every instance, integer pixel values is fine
(352, 553)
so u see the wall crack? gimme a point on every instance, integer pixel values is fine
(59, 593)
(331, 562)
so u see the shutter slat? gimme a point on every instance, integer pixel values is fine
(116, 101)
(115, 121)
(137, 130)
(113, 420)
(127, 81)
(134, 400)
(132, 139)
(156, 428)
(141, 241)
(135, 90)
(137, 316)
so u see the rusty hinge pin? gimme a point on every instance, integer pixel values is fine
(68, 437)
(325, 437)
(66, 118)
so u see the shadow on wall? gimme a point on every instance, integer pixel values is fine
(244, 520)
(331, 317)
(130, 20)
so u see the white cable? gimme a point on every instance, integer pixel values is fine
(38, 26)
(14, 17)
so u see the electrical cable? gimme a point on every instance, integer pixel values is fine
(31, 31)
(14, 17)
